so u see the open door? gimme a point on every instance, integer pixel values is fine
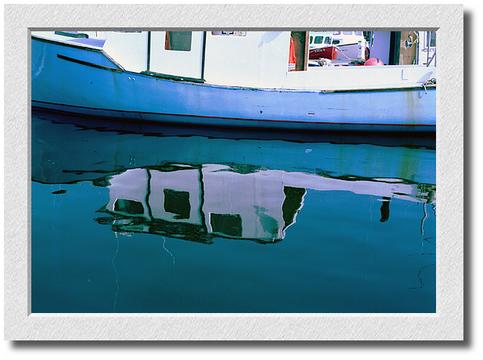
(177, 53)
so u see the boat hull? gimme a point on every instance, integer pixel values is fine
(86, 81)
(327, 52)
(347, 52)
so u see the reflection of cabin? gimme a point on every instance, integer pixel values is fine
(199, 203)
(238, 202)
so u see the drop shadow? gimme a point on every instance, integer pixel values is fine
(468, 176)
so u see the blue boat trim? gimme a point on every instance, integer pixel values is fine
(227, 118)
(86, 63)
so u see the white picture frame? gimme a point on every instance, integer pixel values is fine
(448, 321)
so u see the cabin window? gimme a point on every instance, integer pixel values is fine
(319, 40)
(311, 40)
(328, 40)
(336, 42)
(226, 224)
(177, 203)
(178, 40)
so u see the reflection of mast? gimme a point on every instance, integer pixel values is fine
(116, 274)
(421, 227)
(423, 219)
(202, 198)
(148, 193)
(427, 193)
(385, 209)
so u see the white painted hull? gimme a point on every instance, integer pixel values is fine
(85, 81)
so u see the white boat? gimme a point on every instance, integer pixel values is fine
(344, 46)
(239, 79)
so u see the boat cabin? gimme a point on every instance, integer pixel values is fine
(255, 59)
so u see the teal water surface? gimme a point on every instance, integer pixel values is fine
(124, 221)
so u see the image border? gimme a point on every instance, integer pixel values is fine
(445, 324)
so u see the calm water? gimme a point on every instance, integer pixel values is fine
(127, 222)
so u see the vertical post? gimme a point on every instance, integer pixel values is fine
(149, 51)
(418, 45)
(428, 41)
(394, 48)
(306, 51)
(203, 55)
(301, 45)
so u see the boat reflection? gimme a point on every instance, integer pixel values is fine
(199, 188)
(200, 203)
(122, 222)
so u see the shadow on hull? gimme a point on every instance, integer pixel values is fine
(143, 127)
